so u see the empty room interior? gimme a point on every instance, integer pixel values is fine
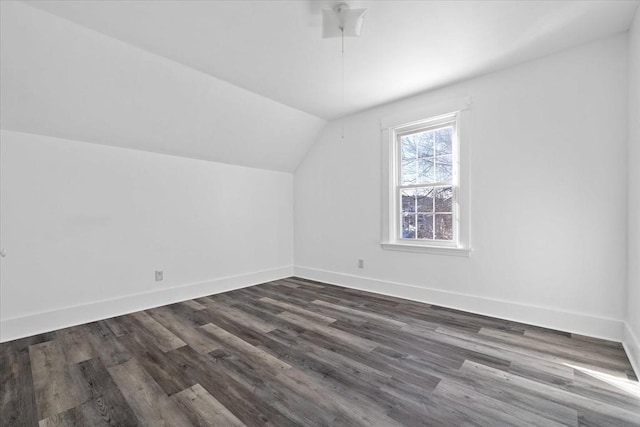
(319, 213)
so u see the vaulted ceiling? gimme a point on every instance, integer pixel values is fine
(253, 82)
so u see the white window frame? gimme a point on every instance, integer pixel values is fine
(392, 129)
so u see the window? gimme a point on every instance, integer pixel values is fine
(426, 185)
(425, 206)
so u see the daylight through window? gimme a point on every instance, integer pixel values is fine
(426, 186)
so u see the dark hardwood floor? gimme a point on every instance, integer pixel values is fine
(297, 352)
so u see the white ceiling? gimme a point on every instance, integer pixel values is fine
(275, 49)
(64, 80)
(251, 83)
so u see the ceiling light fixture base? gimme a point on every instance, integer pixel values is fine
(342, 21)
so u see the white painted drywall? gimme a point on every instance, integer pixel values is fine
(548, 197)
(61, 79)
(632, 330)
(86, 224)
(422, 44)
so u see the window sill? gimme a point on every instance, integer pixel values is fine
(438, 250)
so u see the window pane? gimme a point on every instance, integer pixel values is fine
(443, 140)
(409, 226)
(443, 169)
(444, 199)
(425, 141)
(424, 181)
(425, 226)
(424, 199)
(444, 227)
(408, 146)
(426, 171)
(446, 160)
(408, 200)
(409, 171)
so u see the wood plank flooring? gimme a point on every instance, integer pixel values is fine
(300, 353)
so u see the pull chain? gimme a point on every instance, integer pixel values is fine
(342, 94)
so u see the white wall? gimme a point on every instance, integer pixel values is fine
(632, 330)
(85, 226)
(61, 79)
(548, 198)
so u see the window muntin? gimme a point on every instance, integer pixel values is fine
(426, 182)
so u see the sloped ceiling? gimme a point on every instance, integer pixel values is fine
(64, 80)
(253, 82)
(275, 48)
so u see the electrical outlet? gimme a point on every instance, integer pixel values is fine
(159, 275)
(360, 263)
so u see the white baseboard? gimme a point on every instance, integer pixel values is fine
(19, 327)
(578, 323)
(611, 329)
(631, 345)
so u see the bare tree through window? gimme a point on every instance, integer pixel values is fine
(426, 183)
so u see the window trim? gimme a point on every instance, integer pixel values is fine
(391, 130)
